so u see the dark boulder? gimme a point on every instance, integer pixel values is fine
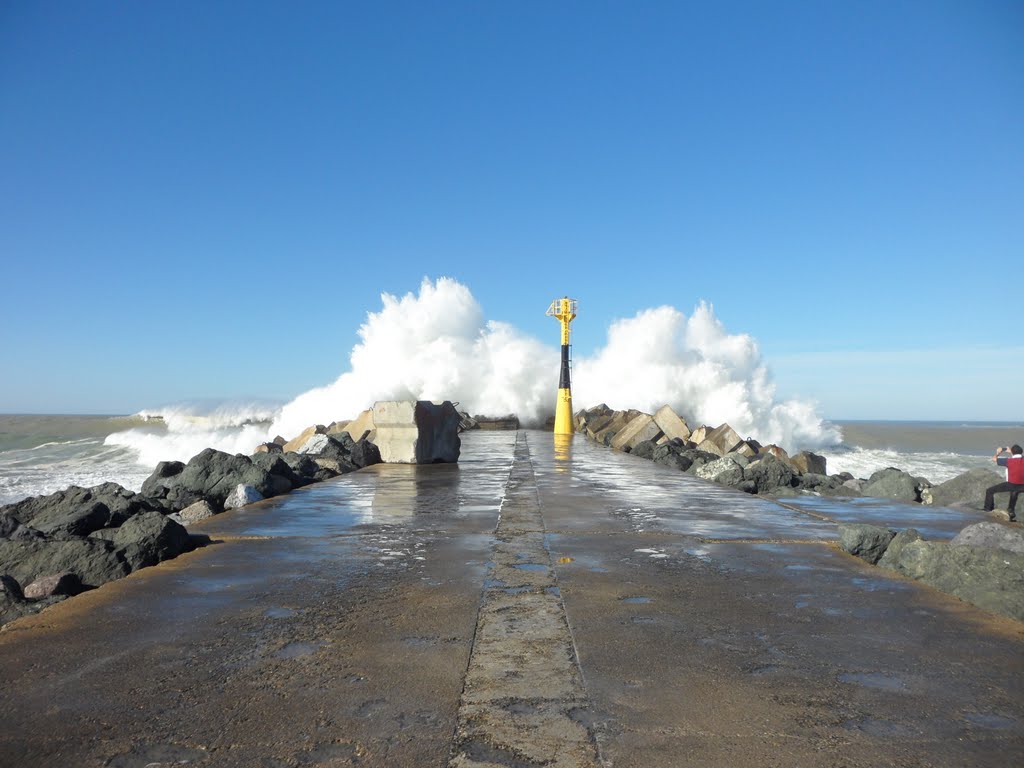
(209, 475)
(93, 560)
(994, 535)
(12, 601)
(990, 578)
(78, 511)
(966, 490)
(769, 473)
(892, 483)
(365, 454)
(868, 542)
(891, 558)
(303, 467)
(644, 449)
(282, 476)
(698, 458)
(149, 538)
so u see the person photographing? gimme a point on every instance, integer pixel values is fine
(1014, 464)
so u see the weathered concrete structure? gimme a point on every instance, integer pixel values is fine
(416, 431)
(534, 605)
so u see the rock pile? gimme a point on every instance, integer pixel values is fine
(55, 546)
(713, 453)
(720, 454)
(983, 564)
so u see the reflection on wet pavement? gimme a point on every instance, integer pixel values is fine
(335, 626)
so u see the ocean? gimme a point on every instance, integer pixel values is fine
(42, 454)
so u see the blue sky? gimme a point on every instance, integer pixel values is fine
(204, 199)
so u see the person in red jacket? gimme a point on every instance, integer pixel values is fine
(1014, 478)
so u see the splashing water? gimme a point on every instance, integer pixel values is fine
(436, 344)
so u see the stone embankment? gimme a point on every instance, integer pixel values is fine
(56, 546)
(712, 453)
(720, 454)
(983, 564)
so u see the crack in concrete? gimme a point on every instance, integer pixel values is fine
(524, 690)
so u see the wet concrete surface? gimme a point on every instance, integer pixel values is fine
(372, 620)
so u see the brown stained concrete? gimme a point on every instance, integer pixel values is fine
(336, 626)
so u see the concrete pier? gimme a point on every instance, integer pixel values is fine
(536, 604)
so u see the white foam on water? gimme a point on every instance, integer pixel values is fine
(436, 344)
(936, 467)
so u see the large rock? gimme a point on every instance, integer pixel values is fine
(268, 448)
(619, 420)
(644, 449)
(94, 561)
(868, 542)
(197, 512)
(241, 496)
(890, 560)
(315, 443)
(805, 462)
(12, 601)
(362, 426)
(671, 455)
(149, 538)
(77, 511)
(210, 475)
(991, 535)
(769, 474)
(710, 446)
(364, 454)
(992, 579)
(641, 427)
(966, 490)
(64, 584)
(725, 437)
(670, 424)
(724, 471)
(417, 432)
(892, 483)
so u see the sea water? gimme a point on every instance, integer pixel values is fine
(44, 454)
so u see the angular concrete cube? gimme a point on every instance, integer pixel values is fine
(416, 431)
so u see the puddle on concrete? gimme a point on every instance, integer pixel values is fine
(295, 650)
(597, 569)
(494, 584)
(636, 600)
(873, 680)
(801, 604)
(530, 567)
(989, 720)
(278, 613)
(795, 567)
(553, 591)
(643, 619)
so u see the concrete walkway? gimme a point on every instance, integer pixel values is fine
(614, 613)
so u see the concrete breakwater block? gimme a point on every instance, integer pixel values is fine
(417, 431)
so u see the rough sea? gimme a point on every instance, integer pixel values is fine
(43, 454)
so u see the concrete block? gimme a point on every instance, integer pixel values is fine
(615, 424)
(359, 426)
(710, 446)
(699, 434)
(416, 431)
(724, 437)
(295, 443)
(670, 424)
(639, 428)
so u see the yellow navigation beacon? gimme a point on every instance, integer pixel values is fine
(565, 310)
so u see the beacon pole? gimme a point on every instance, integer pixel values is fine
(564, 310)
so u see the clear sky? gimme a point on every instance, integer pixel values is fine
(204, 199)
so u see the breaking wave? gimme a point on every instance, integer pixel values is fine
(436, 344)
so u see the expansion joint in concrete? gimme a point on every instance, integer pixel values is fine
(523, 703)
